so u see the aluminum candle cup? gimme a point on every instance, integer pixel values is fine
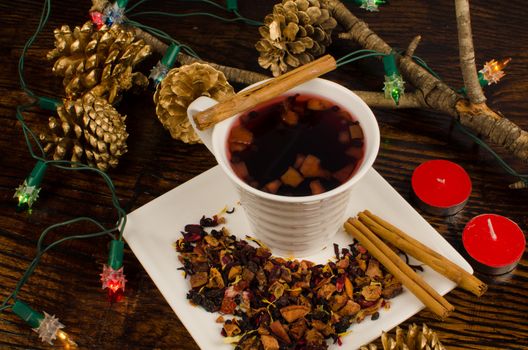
(296, 226)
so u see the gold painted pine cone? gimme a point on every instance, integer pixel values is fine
(99, 62)
(88, 130)
(413, 339)
(294, 34)
(182, 86)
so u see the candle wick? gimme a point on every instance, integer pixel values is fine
(492, 231)
(442, 181)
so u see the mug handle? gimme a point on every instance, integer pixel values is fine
(201, 104)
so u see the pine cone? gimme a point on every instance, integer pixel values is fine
(182, 86)
(100, 62)
(294, 34)
(415, 340)
(88, 130)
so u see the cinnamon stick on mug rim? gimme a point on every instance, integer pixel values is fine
(423, 253)
(250, 98)
(399, 269)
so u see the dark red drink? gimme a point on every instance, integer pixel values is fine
(296, 145)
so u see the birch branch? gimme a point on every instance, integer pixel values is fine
(437, 95)
(467, 53)
(378, 100)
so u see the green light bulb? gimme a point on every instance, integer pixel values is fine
(396, 96)
(370, 5)
(394, 87)
(28, 192)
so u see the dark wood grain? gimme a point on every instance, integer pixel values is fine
(66, 282)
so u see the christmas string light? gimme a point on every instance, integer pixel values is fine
(493, 71)
(98, 19)
(160, 70)
(47, 326)
(28, 192)
(370, 5)
(113, 278)
(115, 13)
(394, 84)
(27, 313)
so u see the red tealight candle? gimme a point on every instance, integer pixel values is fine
(495, 244)
(441, 187)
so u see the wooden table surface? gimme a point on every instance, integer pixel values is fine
(66, 283)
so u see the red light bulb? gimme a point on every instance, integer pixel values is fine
(114, 281)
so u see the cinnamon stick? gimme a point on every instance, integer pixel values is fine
(396, 266)
(247, 99)
(421, 252)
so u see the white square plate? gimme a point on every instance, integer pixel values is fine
(152, 229)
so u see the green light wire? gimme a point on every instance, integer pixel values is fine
(75, 166)
(192, 14)
(204, 1)
(347, 58)
(27, 131)
(130, 8)
(30, 136)
(248, 20)
(41, 251)
(424, 65)
(163, 35)
(72, 166)
(43, 19)
(238, 17)
(481, 143)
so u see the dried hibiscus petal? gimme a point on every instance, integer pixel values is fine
(228, 306)
(340, 284)
(192, 237)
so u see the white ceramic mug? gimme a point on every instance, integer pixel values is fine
(295, 226)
